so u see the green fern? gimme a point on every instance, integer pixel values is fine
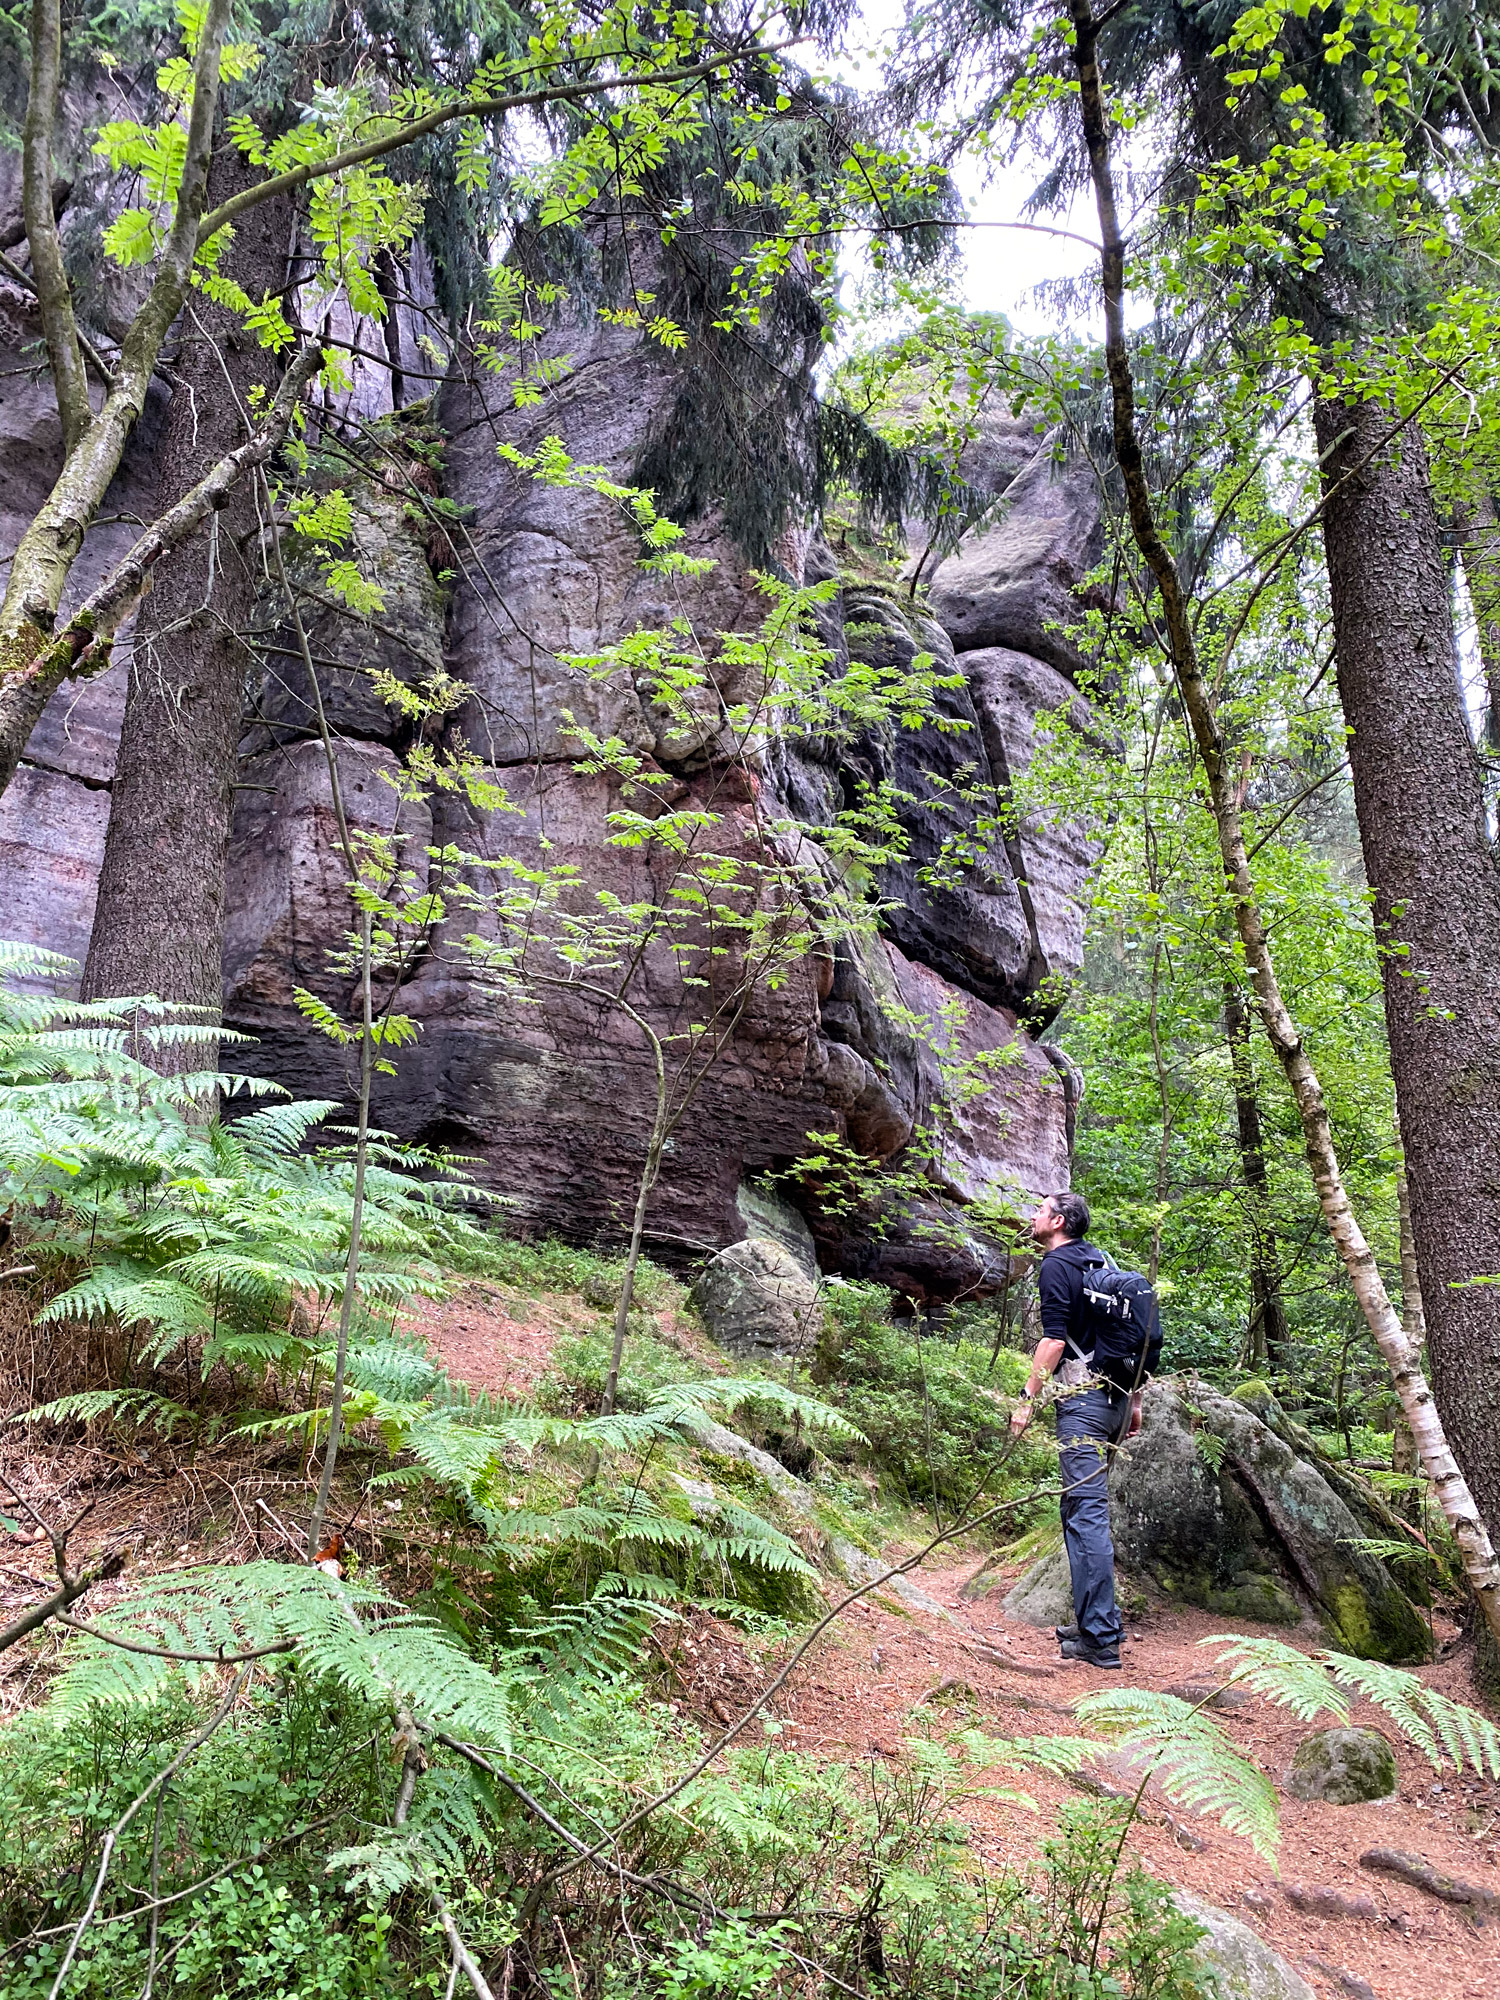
(348, 1631)
(1176, 1743)
(140, 1409)
(1162, 1737)
(1270, 1667)
(199, 1234)
(1323, 1683)
(1439, 1727)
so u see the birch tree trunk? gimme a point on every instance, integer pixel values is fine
(1267, 1332)
(1442, 1468)
(1479, 552)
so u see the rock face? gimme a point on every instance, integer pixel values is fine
(1016, 584)
(54, 815)
(1343, 1767)
(1221, 1505)
(554, 1098)
(1235, 1963)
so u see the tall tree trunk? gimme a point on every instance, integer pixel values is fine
(1420, 800)
(159, 920)
(1479, 551)
(1267, 1341)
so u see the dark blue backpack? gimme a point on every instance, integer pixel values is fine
(1120, 1325)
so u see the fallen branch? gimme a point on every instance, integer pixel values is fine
(68, 1592)
(1422, 1875)
(70, 1586)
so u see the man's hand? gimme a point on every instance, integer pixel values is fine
(1135, 1415)
(1020, 1417)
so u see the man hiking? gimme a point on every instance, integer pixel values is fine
(1093, 1415)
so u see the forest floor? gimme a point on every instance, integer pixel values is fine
(888, 1667)
(888, 1670)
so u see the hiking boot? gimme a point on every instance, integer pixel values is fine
(1080, 1649)
(1065, 1631)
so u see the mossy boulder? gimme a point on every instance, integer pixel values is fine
(1265, 1599)
(1044, 1595)
(756, 1300)
(1343, 1767)
(1231, 1962)
(1223, 1503)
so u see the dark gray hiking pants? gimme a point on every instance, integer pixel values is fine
(1087, 1423)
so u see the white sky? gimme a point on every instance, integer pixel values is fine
(1003, 266)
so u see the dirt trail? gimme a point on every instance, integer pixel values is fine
(885, 1670)
(874, 1683)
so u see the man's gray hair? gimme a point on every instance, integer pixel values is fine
(1074, 1211)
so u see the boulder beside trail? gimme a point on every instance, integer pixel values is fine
(1215, 1504)
(1222, 1503)
(1343, 1767)
(1235, 1964)
(1044, 1596)
(756, 1299)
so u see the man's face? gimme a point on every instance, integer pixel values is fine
(1045, 1223)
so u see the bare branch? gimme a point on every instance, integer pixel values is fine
(966, 1524)
(68, 1592)
(91, 353)
(219, 1659)
(70, 1587)
(83, 645)
(54, 294)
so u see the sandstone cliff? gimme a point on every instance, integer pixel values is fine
(554, 1101)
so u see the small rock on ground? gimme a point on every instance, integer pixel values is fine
(1343, 1767)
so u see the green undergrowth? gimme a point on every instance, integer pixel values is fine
(275, 1871)
(266, 1776)
(575, 1378)
(934, 1412)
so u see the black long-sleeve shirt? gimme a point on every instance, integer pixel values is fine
(1060, 1289)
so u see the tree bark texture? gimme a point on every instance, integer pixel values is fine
(1267, 1331)
(159, 919)
(34, 658)
(1479, 551)
(1419, 796)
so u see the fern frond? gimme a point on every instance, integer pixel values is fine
(1438, 1726)
(1269, 1667)
(683, 1402)
(381, 1869)
(346, 1630)
(1190, 1758)
(138, 1407)
(606, 1634)
(1058, 1755)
